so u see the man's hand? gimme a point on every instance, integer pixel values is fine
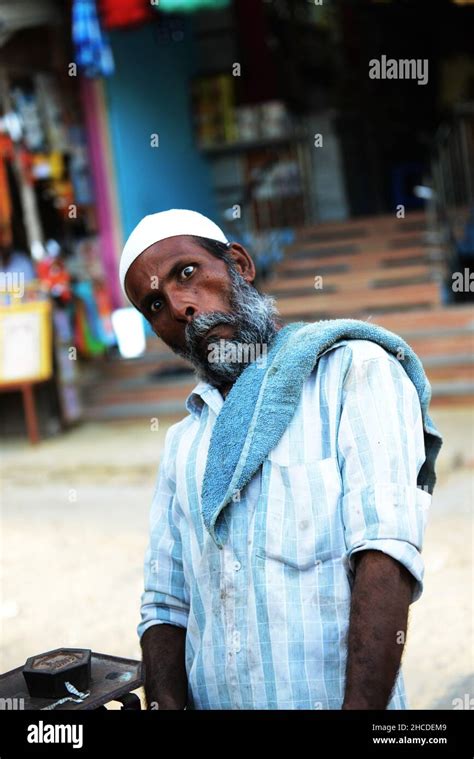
(166, 684)
(381, 595)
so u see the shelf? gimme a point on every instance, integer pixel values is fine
(245, 146)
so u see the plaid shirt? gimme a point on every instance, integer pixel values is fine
(267, 615)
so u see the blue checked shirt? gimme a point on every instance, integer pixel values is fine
(267, 616)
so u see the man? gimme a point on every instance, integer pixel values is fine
(291, 591)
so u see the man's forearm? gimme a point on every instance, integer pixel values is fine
(163, 648)
(381, 596)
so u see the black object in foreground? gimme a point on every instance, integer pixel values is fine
(46, 674)
(112, 679)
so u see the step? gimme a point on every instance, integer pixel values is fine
(461, 389)
(143, 388)
(364, 225)
(301, 248)
(377, 259)
(353, 304)
(443, 317)
(367, 278)
(442, 345)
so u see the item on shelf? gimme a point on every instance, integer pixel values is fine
(214, 110)
(248, 123)
(47, 165)
(27, 106)
(85, 262)
(79, 167)
(55, 277)
(63, 196)
(23, 169)
(282, 180)
(274, 119)
(52, 112)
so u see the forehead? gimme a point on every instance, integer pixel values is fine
(158, 259)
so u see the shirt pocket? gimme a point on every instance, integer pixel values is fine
(300, 523)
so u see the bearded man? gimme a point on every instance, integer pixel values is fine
(287, 522)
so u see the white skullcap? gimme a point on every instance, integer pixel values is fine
(159, 226)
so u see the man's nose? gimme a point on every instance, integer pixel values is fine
(181, 309)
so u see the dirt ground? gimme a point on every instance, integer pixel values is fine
(74, 529)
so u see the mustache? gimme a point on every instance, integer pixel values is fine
(196, 329)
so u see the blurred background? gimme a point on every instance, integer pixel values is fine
(353, 193)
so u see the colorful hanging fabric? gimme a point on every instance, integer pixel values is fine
(84, 340)
(121, 13)
(97, 335)
(104, 308)
(6, 153)
(93, 54)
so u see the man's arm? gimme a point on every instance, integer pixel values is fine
(380, 452)
(381, 595)
(166, 685)
(165, 600)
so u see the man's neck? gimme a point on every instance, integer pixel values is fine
(225, 389)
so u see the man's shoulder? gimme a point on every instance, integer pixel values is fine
(347, 356)
(355, 350)
(366, 350)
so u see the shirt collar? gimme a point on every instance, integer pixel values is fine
(201, 394)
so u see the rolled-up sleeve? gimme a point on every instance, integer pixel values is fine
(381, 450)
(165, 598)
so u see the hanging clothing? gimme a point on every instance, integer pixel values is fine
(120, 13)
(6, 153)
(93, 54)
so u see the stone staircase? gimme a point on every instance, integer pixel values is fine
(378, 268)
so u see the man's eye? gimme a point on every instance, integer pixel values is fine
(188, 269)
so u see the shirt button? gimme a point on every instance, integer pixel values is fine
(237, 565)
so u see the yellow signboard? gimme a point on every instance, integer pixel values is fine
(25, 342)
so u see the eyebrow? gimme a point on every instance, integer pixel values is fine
(148, 299)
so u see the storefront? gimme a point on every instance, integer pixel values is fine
(55, 297)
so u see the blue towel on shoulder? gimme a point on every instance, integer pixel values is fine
(262, 401)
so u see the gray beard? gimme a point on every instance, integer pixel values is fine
(254, 319)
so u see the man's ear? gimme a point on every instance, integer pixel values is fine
(243, 261)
